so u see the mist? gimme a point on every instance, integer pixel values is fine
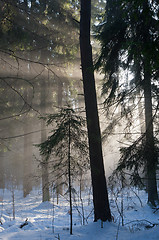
(40, 73)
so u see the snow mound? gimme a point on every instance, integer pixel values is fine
(44, 205)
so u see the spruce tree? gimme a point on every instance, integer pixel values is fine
(129, 40)
(66, 144)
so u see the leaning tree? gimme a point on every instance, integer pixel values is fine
(100, 194)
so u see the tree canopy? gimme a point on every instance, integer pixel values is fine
(129, 41)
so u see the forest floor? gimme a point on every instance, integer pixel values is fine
(47, 221)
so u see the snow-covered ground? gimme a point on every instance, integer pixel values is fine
(49, 220)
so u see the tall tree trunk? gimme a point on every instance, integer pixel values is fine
(100, 194)
(27, 167)
(59, 104)
(44, 164)
(69, 176)
(150, 153)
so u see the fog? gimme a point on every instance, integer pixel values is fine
(40, 73)
(30, 90)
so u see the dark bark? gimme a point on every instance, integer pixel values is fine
(100, 194)
(69, 177)
(27, 166)
(150, 153)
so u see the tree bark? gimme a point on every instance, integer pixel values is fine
(150, 153)
(27, 165)
(59, 104)
(69, 176)
(44, 164)
(100, 194)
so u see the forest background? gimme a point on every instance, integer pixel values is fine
(40, 73)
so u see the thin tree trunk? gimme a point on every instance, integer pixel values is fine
(44, 164)
(69, 177)
(44, 168)
(100, 194)
(27, 167)
(59, 104)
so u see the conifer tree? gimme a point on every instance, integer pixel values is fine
(66, 144)
(129, 39)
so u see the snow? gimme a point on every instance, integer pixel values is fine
(35, 220)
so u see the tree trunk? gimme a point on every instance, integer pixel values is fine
(100, 194)
(69, 177)
(44, 164)
(59, 104)
(150, 153)
(27, 167)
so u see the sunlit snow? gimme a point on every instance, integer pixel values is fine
(49, 220)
